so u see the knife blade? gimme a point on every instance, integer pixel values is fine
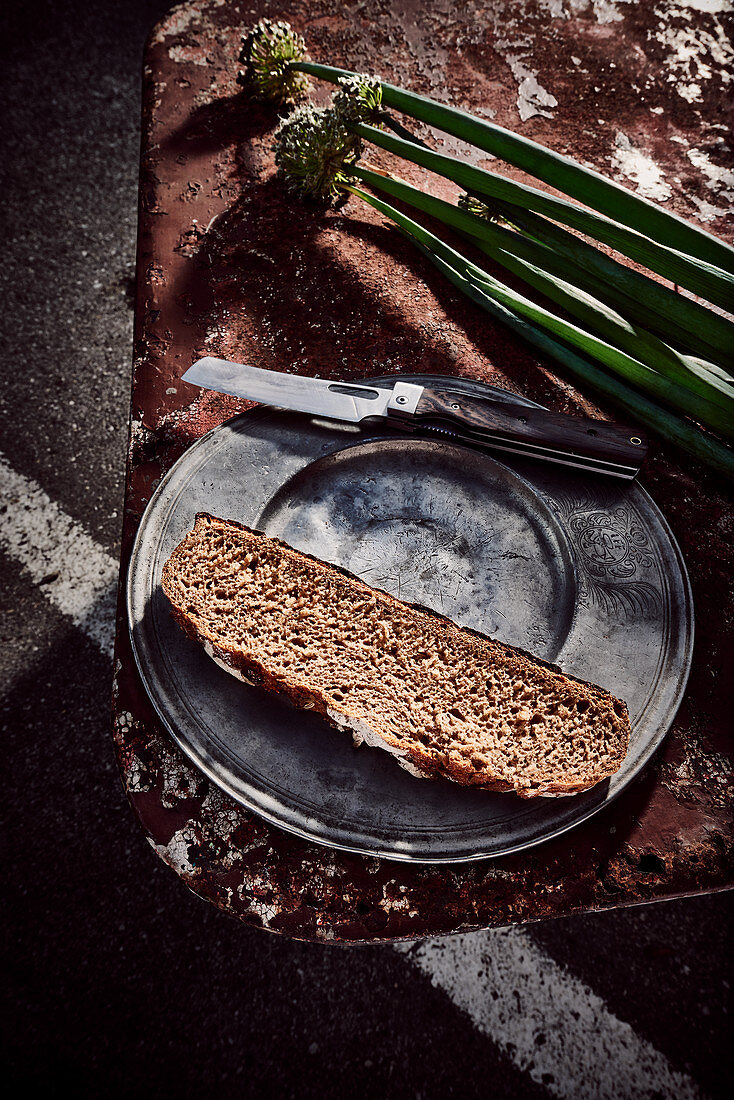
(592, 445)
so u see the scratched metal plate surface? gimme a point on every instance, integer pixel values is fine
(579, 570)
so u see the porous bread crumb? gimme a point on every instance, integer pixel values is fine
(445, 701)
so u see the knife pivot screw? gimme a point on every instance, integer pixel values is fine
(636, 441)
(401, 400)
(591, 431)
(523, 419)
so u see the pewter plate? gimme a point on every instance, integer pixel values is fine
(579, 570)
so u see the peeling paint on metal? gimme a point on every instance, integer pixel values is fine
(194, 54)
(719, 180)
(532, 98)
(711, 7)
(696, 53)
(183, 17)
(176, 852)
(637, 166)
(606, 11)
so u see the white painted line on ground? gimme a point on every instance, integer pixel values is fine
(74, 573)
(550, 1024)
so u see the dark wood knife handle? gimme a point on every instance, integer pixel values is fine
(474, 417)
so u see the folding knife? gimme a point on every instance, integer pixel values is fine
(592, 445)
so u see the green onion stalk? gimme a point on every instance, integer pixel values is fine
(675, 429)
(629, 368)
(541, 269)
(658, 354)
(714, 284)
(566, 175)
(682, 321)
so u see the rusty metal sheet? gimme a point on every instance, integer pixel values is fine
(226, 267)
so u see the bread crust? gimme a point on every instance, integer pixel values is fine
(428, 764)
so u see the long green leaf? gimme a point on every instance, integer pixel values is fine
(642, 346)
(533, 262)
(674, 428)
(574, 179)
(671, 315)
(701, 278)
(678, 320)
(630, 369)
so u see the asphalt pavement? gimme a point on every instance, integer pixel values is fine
(118, 980)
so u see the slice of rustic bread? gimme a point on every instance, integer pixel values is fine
(445, 701)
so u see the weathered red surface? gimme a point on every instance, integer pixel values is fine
(229, 264)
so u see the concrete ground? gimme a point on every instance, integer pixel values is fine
(119, 981)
